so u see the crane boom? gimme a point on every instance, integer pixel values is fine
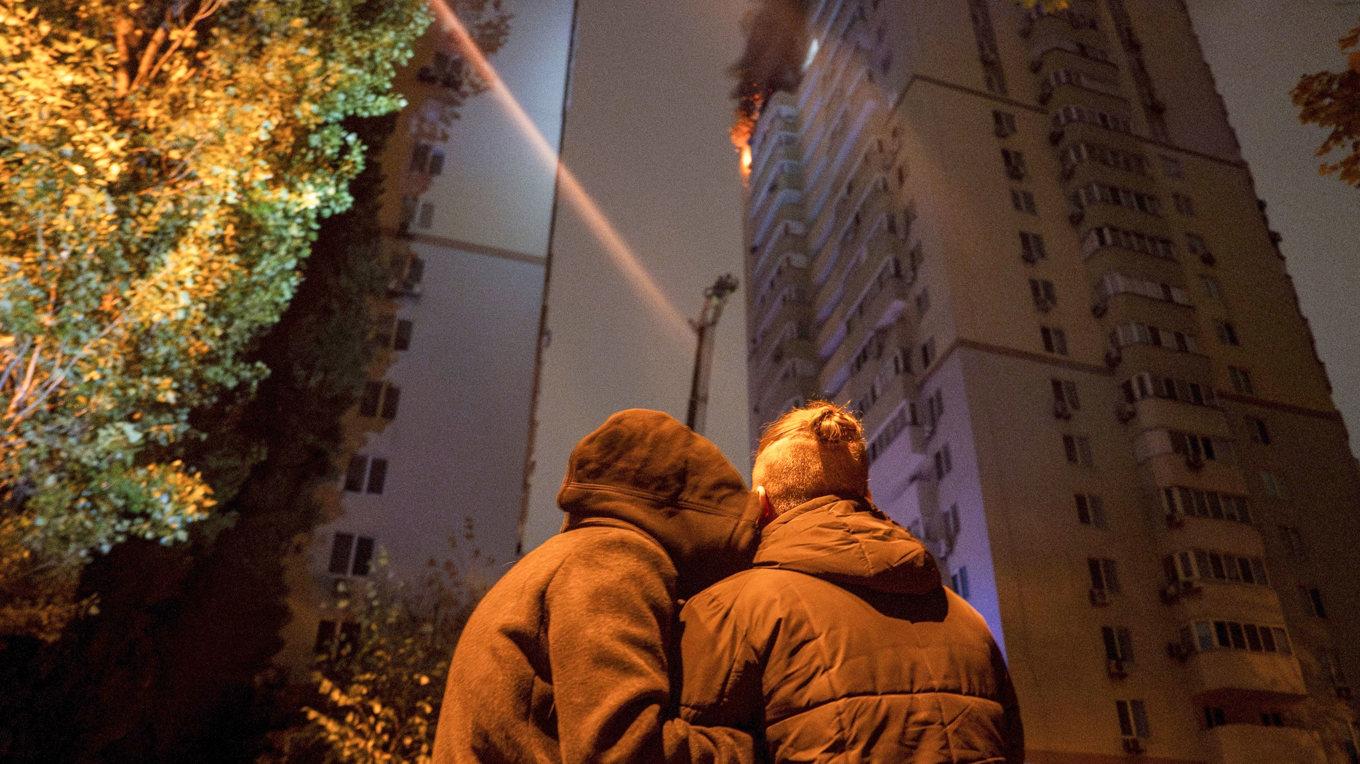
(715, 297)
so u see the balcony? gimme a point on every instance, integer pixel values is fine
(771, 395)
(1209, 600)
(1253, 742)
(786, 239)
(789, 211)
(1226, 675)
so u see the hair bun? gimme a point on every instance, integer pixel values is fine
(834, 425)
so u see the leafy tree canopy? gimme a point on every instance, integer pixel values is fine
(1332, 100)
(163, 167)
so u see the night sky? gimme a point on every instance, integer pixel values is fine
(647, 136)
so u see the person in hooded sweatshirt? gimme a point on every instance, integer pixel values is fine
(841, 644)
(566, 658)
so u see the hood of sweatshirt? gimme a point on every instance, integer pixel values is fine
(848, 542)
(646, 470)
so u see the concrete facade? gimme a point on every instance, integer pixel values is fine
(466, 213)
(1025, 246)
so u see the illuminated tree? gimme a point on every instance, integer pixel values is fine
(381, 680)
(163, 167)
(1332, 100)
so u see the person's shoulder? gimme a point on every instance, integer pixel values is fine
(753, 584)
(604, 555)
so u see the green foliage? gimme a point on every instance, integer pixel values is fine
(163, 167)
(379, 689)
(1332, 100)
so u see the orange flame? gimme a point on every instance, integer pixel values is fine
(742, 129)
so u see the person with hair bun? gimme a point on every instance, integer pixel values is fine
(841, 643)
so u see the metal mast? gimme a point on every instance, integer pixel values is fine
(715, 297)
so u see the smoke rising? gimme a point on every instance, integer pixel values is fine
(776, 40)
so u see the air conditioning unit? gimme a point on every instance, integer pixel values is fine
(1116, 668)
(1177, 651)
(1061, 410)
(1099, 309)
(1133, 744)
(1171, 592)
(1076, 217)
(1125, 412)
(1099, 597)
(1055, 136)
(1174, 519)
(1112, 358)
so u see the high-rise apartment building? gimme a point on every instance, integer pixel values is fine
(1026, 247)
(439, 436)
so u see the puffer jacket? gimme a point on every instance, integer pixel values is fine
(566, 657)
(842, 645)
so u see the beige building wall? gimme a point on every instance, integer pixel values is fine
(465, 216)
(885, 253)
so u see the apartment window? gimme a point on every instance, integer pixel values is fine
(1211, 286)
(1227, 333)
(959, 582)
(1132, 718)
(1118, 643)
(1172, 167)
(952, 524)
(934, 405)
(1078, 450)
(1271, 484)
(1292, 539)
(922, 301)
(1104, 575)
(1205, 636)
(927, 352)
(335, 637)
(401, 334)
(1184, 205)
(1312, 601)
(1004, 123)
(1197, 246)
(1258, 430)
(1023, 201)
(1215, 566)
(379, 399)
(1055, 339)
(1091, 510)
(1032, 247)
(426, 217)
(1065, 393)
(1014, 162)
(944, 464)
(1043, 294)
(365, 474)
(1210, 505)
(436, 165)
(1331, 668)
(420, 157)
(350, 555)
(1241, 380)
